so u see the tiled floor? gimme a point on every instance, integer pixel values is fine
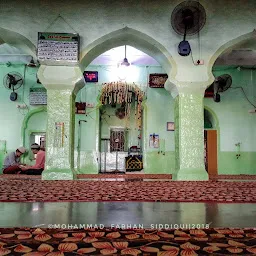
(115, 214)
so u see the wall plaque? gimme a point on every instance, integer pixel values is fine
(157, 80)
(58, 48)
(37, 96)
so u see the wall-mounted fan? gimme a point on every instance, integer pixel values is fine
(13, 81)
(221, 84)
(188, 18)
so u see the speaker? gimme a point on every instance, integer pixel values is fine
(184, 48)
(13, 96)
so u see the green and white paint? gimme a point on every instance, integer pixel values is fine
(231, 119)
(147, 28)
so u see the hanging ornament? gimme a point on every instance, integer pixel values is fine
(122, 93)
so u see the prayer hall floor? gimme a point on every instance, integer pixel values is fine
(124, 214)
(90, 203)
(132, 242)
(145, 191)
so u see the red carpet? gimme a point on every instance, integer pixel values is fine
(61, 242)
(147, 191)
(19, 177)
(131, 176)
(128, 176)
(232, 177)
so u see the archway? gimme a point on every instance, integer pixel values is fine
(229, 46)
(211, 134)
(132, 37)
(17, 40)
(89, 158)
(121, 128)
(34, 128)
(235, 58)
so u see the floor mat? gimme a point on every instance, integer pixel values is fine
(232, 177)
(20, 177)
(127, 176)
(145, 191)
(106, 241)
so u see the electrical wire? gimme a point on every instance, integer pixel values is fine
(239, 87)
(59, 16)
(147, 74)
(191, 54)
(199, 42)
(23, 95)
(198, 34)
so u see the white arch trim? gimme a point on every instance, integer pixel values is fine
(133, 38)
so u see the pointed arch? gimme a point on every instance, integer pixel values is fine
(133, 38)
(17, 40)
(229, 46)
(26, 119)
(213, 117)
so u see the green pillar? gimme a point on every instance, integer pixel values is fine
(62, 84)
(189, 135)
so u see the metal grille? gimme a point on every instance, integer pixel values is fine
(117, 140)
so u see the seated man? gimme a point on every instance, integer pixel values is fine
(38, 167)
(12, 161)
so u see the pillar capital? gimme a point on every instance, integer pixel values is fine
(61, 77)
(192, 87)
(197, 82)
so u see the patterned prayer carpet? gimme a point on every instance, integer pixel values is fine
(145, 191)
(61, 242)
(20, 177)
(127, 176)
(130, 176)
(233, 177)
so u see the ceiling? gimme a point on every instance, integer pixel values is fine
(242, 55)
(116, 55)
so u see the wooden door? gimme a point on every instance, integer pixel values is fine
(211, 154)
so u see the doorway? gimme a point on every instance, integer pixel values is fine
(210, 147)
(210, 143)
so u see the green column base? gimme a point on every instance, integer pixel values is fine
(190, 174)
(58, 174)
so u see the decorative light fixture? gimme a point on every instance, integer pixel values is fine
(125, 61)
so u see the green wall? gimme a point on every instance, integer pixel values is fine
(231, 118)
(154, 121)
(11, 118)
(235, 123)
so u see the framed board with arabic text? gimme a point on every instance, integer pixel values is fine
(58, 48)
(37, 96)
